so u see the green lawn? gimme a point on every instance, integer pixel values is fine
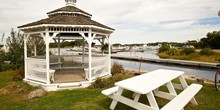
(82, 99)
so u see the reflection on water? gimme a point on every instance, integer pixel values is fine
(201, 73)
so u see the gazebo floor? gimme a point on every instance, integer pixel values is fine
(69, 75)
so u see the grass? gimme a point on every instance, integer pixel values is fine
(192, 57)
(85, 99)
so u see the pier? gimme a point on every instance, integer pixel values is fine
(168, 61)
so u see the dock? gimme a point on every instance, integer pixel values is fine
(169, 61)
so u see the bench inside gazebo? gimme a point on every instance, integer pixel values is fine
(55, 72)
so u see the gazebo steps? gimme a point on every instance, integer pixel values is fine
(74, 85)
(69, 85)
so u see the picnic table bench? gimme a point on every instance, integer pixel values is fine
(148, 84)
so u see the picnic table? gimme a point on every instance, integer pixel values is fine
(148, 84)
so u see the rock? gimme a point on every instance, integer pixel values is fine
(200, 80)
(36, 94)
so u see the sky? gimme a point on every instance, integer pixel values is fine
(134, 21)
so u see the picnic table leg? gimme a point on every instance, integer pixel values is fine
(114, 102)
(152, 100)
(171, 88)
(185, 85)
(136, 97)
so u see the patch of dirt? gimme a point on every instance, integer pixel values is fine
(3, 91)
(11, 88)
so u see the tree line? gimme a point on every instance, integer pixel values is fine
(212, 40)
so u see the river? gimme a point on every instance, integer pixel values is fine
(193, 71)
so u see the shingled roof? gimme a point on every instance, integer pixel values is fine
(62, 16)
(69, 9)
(67, 20)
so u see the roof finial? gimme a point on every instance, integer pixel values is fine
(70, 2)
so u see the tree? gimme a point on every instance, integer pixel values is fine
(39, 42)
(93, 44)
(193, 42)
(117, 44)
(164, 48)
(104, 47)
(188, 51)
(15, 46)
(212, 40)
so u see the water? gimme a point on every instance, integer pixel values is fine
(63, 51)
(201, 73)
(198, 72)
(145, 54)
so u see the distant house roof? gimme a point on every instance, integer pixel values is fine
(69, 9)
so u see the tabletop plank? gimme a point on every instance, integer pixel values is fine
(147, 82)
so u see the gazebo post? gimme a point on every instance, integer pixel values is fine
(109, 54)
(47, 39)
(35, 49)
(47, 42)
(59, 57)
(90, 54)
(103, 43)
(83, 54)
(25, 54)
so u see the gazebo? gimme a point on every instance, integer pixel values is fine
(68, 23)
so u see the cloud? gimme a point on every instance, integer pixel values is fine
(134, 20)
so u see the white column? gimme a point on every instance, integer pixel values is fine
(90, 54)
(83, 54)
(59, 57)
(109, 55)
(35, 49)
(25, 55)
(47, 42)
(103, 43)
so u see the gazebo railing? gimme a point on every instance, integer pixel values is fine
(36, 69)
(99, 68)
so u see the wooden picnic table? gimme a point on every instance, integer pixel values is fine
(148, 84)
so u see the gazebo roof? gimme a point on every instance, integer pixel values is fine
(67, 20)
(68, 15)
(69, 9)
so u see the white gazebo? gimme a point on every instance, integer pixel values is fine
(68, 23)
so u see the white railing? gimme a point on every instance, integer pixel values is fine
(36, 69)
(99, 68)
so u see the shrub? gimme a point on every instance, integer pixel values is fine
(19, 74)
(163, 55)
(118, 77)
(5, 67)
(188, 51)
(2, 56)
(217, 57)
(164, 48)
(173, 51)
(206, 52)
(117, 69)
(99, 83)
(109, 82)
